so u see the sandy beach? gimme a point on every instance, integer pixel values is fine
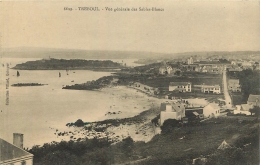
(133, 117)
(139, 127)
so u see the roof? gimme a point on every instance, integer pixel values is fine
(224, 145)
(9, 151)
(253, 98)
(235, 70)
(179, 83)
(178, 107)
(210, 86)
(175, 106)
(233, 81)
(213, 105)
(196, 113)
(246, 107)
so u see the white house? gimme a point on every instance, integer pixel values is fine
(211, 110)
(190, 61)
(180, 86)
(171, 111)
(13, 154)
(234, 85)
(210, 89)
(243, 109)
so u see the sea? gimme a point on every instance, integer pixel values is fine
(36, 110)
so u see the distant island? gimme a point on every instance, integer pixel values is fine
(27, 84)
(72, 64)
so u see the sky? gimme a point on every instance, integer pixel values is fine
(183, 26)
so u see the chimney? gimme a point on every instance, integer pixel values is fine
(18, 140)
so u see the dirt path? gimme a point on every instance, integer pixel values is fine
(225, 90)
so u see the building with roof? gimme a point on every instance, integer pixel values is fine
(253, 100)
(190, 61)
(171, 111)
(191, 67)
(210, 89)
(243, 109)
(166, 69)
(234, 85)
(211, 110)
(180, 86)
(13, 154)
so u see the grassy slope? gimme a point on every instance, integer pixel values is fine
(201, 140)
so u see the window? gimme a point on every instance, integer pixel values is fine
(23, 162)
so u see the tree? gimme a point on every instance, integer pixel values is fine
(169, 125)
(178, 73)
(255, 110)
(128, 146)
(60, 158)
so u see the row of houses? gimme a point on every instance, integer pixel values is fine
(183, 87)
(179, 110)
(144, 88)
(191, 66)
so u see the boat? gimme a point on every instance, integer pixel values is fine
(18, 74)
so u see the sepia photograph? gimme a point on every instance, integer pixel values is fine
(129, 82)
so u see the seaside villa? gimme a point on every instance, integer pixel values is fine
(13, 154)
(171, 111)
(211, 110)
(210, 89)
(180, 86)
(233, 85)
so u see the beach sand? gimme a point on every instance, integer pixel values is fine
(140, 129)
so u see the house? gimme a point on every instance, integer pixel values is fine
(211, 110)
(190, 61)
(192, 112)
(13, 154)
(166, 69)
(253, 100)
(233, 62)
(191, 67)
(246, 64)
(180, 86)
(233, 85)
(236, 69)
(171, 111)
(144, 88)
(243, 109)
(210, 89)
